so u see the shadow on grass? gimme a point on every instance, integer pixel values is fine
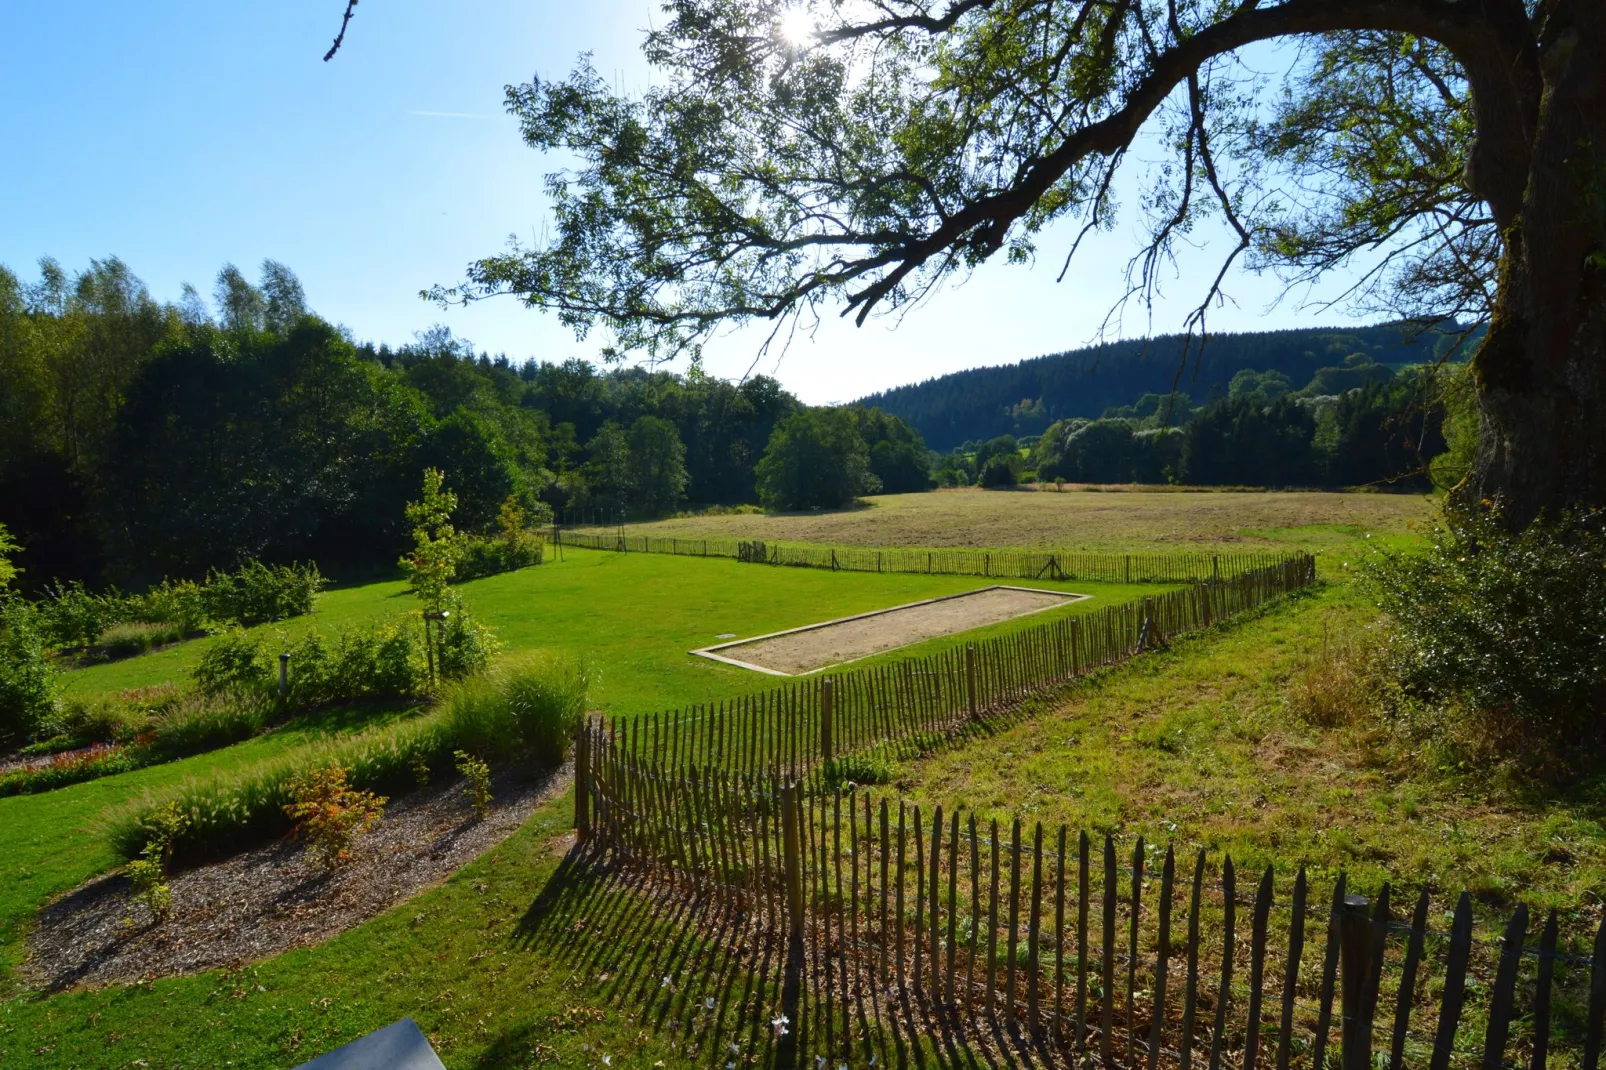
(711, 972)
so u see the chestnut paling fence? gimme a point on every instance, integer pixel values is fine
(997, 564)
(813, 727)
(1135, 957)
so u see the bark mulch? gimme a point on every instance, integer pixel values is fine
(274, 898)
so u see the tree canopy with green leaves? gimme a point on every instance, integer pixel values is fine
(816, 459)
(1454, 150)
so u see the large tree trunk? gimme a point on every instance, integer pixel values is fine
(1541, 371)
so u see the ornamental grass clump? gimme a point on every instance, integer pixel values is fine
(329, 814)
(531, 705)
(232, 810)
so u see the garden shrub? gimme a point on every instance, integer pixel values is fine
(148, 872)
(150, 883)
(465, 645)
(480, 556)
(27, 681)
(478, 782)
(377, 659)
(1510, 628)
(258, 593)
(236, 660)
(180, 603)
(72, 618)
(330, 814)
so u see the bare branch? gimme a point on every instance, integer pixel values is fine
(340, 38)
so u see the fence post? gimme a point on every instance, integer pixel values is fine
(1355, 953)
(970, 678)
(793, 862)
(582, 782)
(827, 752)
(284, 675)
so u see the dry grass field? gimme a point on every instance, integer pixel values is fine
(1112, 519)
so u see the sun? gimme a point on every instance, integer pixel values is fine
(797, 27)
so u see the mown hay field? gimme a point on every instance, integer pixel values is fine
(1107, 519)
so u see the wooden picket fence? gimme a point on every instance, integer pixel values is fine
(1085, 949)
(996, 564)
(1103, 952)
(811, 726)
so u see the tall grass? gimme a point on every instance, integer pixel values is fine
(132, 638)
(196, 723)
(535, 703)
(525, 708)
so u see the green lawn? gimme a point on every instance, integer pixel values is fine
(511, 964)
(634, 616)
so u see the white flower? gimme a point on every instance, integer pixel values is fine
(607, 1060)
(665, 982)
(709, 1003)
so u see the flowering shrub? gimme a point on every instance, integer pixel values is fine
(330, 814)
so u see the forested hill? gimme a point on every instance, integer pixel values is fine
(1024, 398)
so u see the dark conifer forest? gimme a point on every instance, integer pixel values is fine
(1025, 398)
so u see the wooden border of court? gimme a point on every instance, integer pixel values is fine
(708, 652)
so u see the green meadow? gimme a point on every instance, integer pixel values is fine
(634, 617)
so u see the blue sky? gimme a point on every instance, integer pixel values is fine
(180, 135)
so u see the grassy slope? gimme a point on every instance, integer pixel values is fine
(453, 958)
(1194, 745)
(1114, 520)
(634, 616)
(49, 842)
(1198, 746)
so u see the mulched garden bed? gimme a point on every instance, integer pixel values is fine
(275, 898)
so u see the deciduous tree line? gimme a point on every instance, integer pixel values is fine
(142, 439)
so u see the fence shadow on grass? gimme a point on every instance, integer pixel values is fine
(709, 971)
